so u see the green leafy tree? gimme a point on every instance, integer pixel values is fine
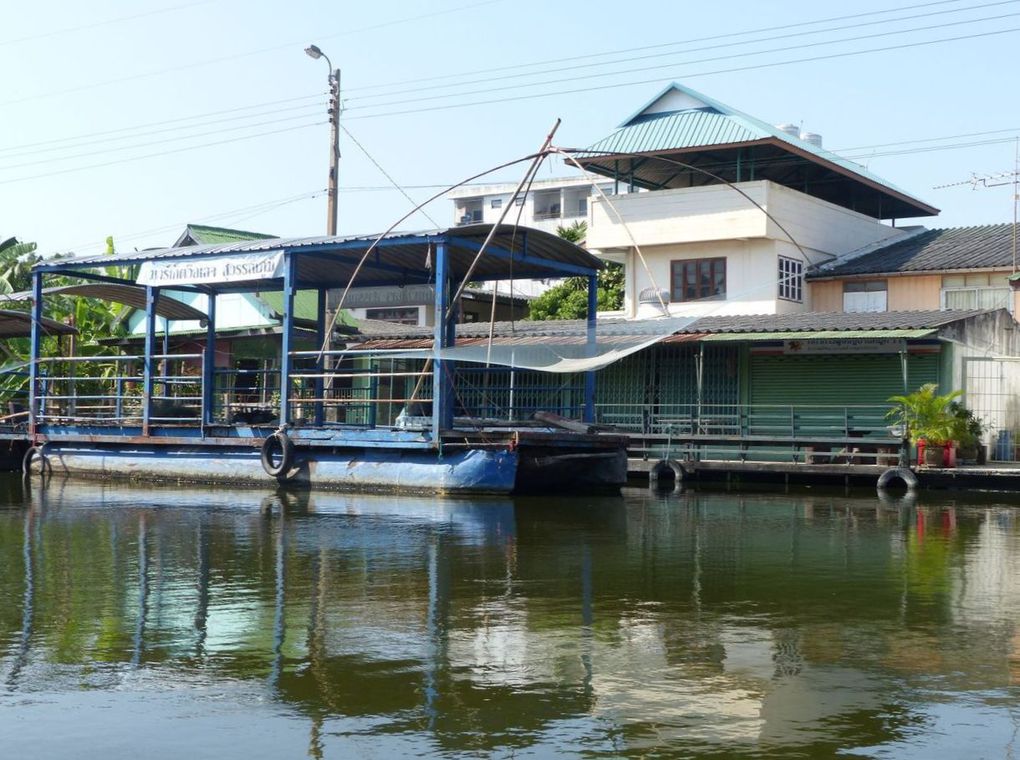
(569, 299)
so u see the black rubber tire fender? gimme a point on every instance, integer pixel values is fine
(278, 468)
(32, 453)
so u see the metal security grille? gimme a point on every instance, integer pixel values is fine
(991, 387)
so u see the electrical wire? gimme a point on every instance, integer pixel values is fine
(161, 153)
(162, 122)
(658, 67)
(106, 22)
(752, 67)
(789, 35)
(728, 35)
(247, 54)
(386, 174)
(164, 141)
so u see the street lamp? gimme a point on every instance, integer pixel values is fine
(314, 52)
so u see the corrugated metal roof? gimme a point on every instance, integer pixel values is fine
(205, 235)
(811, 324)
(18, 324)
(406, 256)
(716, 125)
(130, 295)
(820, 335)
(982, 247)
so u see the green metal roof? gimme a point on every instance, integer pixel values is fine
(306, 303)
(707, 123)
(204, 235)
(819, 335)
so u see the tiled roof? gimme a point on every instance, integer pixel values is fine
(988, 246)
(832, 321)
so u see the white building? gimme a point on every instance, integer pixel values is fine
(738, 210)
(547, 205)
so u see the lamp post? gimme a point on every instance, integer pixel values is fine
(334, 138)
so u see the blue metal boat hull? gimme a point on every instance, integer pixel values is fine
(466, 471)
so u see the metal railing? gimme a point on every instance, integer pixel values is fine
(818, 434)
(110, 389)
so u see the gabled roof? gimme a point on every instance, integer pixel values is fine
(954, 248)
(200, 234)
(680, 120)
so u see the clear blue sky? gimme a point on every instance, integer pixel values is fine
(73, 69)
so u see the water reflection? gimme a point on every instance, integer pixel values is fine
(290, 624)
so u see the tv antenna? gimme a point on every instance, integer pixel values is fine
(984, 181)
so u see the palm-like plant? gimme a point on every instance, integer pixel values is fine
(924, 414)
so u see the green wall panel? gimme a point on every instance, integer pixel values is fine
(836, 380)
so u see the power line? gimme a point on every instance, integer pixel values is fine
(107, 22)
(190, 119)
(161, 153)
(503, 77)
(386, 174)
(658, 46)
(658, 67)
(250, 211)
(119, 149)
(247, 54)
(599, 88)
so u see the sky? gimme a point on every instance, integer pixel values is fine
(132, 118)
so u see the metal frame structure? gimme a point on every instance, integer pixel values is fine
(435, 258)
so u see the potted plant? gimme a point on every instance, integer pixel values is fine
(969, 433)
(928, 419)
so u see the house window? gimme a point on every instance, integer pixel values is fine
(408, 316)
(976, 291)
(698, 280)
(496, 203)
(791, 279)
(865, 295)
(519, 200)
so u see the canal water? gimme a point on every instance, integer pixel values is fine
(217, 623)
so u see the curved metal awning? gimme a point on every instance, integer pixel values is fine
(18, 324)
(129, 295)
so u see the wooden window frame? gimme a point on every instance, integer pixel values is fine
(790, 281)
(681, 295)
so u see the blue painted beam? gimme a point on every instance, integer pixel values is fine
(442, 386)
(320, 364)
(589, 376)
(522, 260)
(36, 342)
(209, 368)
(288, 330)
(148, 367)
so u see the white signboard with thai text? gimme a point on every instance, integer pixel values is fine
(844, 346)
(201, 271)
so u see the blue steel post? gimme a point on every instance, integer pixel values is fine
(151, 297)
(320, 365)
(209, 367)
(442, 389)
(288, 329)
(589, 376)
(33, 367)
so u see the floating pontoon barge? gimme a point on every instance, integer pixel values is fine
(169, 415)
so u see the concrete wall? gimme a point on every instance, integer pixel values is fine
(825, 295)
(821, 227)
(751, 273)
(690, 214)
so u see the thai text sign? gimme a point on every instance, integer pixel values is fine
(199, 271)
(844, 346)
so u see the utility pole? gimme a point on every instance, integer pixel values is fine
(334, 140)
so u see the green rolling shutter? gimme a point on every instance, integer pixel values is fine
(836, 379)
